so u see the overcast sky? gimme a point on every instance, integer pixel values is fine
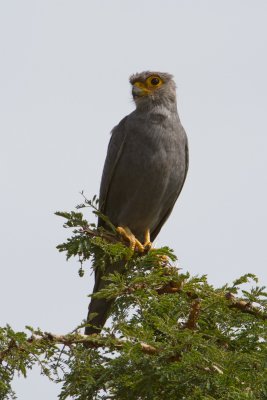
(64, 84)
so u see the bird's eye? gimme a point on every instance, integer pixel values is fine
(154, 81)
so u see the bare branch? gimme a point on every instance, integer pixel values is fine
(245, 306)
(104, 234)
(91, 341)
(191, 323)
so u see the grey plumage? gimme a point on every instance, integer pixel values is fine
(145, 169)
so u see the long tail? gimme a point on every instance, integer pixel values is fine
(101, 306)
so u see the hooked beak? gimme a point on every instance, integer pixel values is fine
(139, 91)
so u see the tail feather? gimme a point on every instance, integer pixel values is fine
(101, 306)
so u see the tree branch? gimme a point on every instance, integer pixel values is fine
(245, 306)
(92, 341)
(191, 322)
(104, 234)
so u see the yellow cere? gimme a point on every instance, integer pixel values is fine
(140, 85)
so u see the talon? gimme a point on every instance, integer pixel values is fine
(148, 243)
(126, 233)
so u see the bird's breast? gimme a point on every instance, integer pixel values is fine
(149, 172)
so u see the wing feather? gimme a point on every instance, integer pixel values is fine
(156, 231)
(115, 149)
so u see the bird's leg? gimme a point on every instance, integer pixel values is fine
(126, 233)
(147, 243)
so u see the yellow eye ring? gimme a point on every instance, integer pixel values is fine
(154, 81)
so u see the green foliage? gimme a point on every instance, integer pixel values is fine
(18, 353)
(172, 335)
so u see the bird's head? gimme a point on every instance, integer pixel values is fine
(153, 87)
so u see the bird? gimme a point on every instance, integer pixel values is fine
(144, 172)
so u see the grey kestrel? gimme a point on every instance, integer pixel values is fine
(144, 172)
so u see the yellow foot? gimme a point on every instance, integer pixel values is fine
(147, 244)
(126, 233)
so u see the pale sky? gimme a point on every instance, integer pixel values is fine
(64, 84)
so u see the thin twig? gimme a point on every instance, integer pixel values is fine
(109, 236)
